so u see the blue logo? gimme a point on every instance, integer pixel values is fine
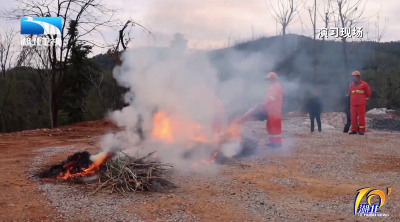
(41, 26)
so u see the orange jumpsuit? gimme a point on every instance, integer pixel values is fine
(358, 101)
(273, 105)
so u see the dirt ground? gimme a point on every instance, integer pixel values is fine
(316, 180)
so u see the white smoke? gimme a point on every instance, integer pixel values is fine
(187, 85)
(231, 148)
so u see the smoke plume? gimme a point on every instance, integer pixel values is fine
(189, 86)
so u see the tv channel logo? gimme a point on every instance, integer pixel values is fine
(41, 26)
(368, 209)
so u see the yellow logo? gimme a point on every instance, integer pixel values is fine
(369, 209)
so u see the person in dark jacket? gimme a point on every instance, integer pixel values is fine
(314, 109)
(346, 103)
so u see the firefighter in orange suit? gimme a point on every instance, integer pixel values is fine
(273, 105)
(273, 108)
(359, 92)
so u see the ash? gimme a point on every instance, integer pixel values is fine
(387, 124)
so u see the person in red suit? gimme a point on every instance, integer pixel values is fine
(359, 92)
(272, 106)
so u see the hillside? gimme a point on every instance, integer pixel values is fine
(373, 60)
(24, 92)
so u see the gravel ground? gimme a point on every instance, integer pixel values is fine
(295, 183)
(388, 124)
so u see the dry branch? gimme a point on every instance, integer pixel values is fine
(130, 174)
(284, 12)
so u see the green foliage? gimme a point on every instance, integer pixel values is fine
(21, 106)
(77, 84)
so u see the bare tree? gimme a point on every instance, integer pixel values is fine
(284, 13)
(312, 11)
(81, 18)
(380, 31)
(6, 51)
(6, 55)
(105, 87)
(348, 14)
(386, 83)
(43, 83)
(10, 60)
(124, 39)
(326, 16)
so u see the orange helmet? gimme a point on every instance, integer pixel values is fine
(356, 73)
(271, 75)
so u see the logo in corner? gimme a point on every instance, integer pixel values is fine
(41, 26)
(367, 208)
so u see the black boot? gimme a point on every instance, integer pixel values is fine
(361, 133)
(346, 128)
(353, 132)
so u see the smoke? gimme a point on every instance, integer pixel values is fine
(231, 149)
(188, 86)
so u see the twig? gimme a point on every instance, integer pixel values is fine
(99, 187)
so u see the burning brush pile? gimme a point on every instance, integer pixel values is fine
(171, 136)
(104, 171)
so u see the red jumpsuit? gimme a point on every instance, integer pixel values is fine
(358, 100)
(273, 105)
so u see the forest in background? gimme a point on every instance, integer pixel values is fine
(55, 86)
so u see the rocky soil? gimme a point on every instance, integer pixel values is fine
(314, 177)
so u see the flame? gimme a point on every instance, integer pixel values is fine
(169, 129)
(206, 161)
(92, 169)
(233, 130)
(162, 128)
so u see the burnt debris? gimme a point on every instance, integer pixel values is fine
(74, 163)
(386, 124)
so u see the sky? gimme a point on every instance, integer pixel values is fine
(211, 24)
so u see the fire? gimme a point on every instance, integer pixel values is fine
(233, 130)
(89, 171)
(162, 127)
(169, 129)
